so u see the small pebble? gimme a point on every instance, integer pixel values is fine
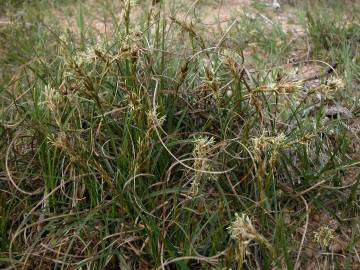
(229, 93)
(316, 218)
(336, 248)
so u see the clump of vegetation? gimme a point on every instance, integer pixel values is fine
(137, 146)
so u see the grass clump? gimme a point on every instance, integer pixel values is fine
(137, 148)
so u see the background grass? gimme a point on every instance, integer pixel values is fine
(131, 134)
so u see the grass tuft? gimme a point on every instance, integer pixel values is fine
(133, 133)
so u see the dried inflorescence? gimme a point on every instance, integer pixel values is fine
(203, 147)
(90, 54)
(264, 143)
(324, 236)
(242, 231)
(281, 87)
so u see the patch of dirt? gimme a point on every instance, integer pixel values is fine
(223, 11)
(220, 12)
(318, 257)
